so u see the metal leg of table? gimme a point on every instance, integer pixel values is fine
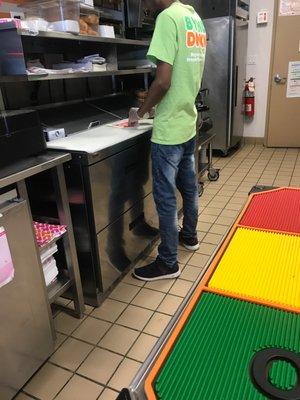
(22, 190)
(209, 155)
(69, 241)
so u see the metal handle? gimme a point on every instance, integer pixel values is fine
(279, 80)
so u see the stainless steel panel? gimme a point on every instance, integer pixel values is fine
(241, 41)
(119, 182)
(124, 240)
(25, 335)
(216, 76)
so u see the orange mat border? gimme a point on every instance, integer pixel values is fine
(202, 287)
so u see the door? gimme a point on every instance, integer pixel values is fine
(284, 97)
(25, 335)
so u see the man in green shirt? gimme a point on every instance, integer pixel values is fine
(178, 49)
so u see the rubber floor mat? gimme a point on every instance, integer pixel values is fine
(277, 210)
(261, 265)
(211, 357)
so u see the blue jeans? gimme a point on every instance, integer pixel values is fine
(174, 166)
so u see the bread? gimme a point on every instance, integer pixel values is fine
(91, 19)
(83, 27)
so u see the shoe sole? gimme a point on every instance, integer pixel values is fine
(158, 278)
(190, 248)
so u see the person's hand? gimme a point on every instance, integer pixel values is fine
(133, 118)
(152, 113)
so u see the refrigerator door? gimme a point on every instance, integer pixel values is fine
(217, 77)
(25, 335)
(241, 41)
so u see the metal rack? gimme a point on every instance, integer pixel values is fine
(17, 174)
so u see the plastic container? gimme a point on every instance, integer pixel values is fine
(34, 17)
(107, 31)
(62, 15)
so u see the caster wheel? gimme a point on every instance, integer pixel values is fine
(200, 190)
(213, 175)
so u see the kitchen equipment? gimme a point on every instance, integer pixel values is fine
(62, 15)
(26, 341)
(225, 67)
(21, 135)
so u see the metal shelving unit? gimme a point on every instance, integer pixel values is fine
(73, 75)
(94, 39)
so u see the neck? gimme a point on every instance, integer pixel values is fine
(168, 3)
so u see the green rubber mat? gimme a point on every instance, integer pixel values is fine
(212, 356)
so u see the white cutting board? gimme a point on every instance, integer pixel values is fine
(93, 140)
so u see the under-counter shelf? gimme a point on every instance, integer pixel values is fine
(86, 38)
(58, 287)
(73, 75)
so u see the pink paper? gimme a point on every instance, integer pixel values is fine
(7, 271)
(122, 124)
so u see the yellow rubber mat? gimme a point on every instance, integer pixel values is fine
(261, 265)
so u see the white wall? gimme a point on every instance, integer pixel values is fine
(259, 46)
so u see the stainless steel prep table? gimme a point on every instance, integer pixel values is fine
(110, 196)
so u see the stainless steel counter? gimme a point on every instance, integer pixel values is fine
(30, 166)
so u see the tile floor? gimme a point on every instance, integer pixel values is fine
(99, 355)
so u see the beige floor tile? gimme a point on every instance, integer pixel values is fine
(190, 273)
(206, 248)
(92, 330)
(203, 226)
(201, 235)
(170, 304)
(47, 382)
(100, 365)
(124, 292)
(181, 288)
(183, 256)
(133, 281)
(108, 394)
(199, 260)
(142, 347)
(157, 324)
(207, 218)
(212, 238)
(225, 221)
(71, 354)
(229, 213)
(119, 339)
(88, 309)
(79, 388)
(110, 310)
(234, 207)
(219, 229)
(60, 338)
(135, 317)
(23, 396)
(161, 286)
(148, 299)
(212, 211)
(124, 374)
(65, 323)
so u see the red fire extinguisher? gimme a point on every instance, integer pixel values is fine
(249, 98)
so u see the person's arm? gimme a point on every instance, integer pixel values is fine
(157, 91)
(162, 52)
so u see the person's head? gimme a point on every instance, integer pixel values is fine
(156, 6)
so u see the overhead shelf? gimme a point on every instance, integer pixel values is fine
(73, 75)
(71, 36)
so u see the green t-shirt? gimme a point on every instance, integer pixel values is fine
(180, 40)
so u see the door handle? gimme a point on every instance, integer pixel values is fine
(279, 80)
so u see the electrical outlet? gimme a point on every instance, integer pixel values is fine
(252, 60)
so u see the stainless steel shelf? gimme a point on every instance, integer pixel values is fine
(57, 288)
(73, 75)
(96, 39)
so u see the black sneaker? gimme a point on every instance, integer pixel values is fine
(191, 244)
(156, 271)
